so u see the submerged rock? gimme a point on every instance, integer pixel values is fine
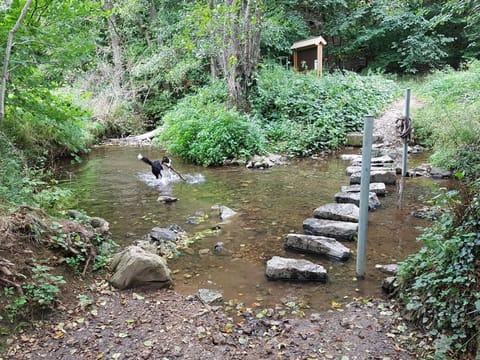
(280, 268)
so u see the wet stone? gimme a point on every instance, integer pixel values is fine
(358, 169)
(354, 198)
(339, 230)
(280, 268)
(319, 245)
(386, 177)
(387, 268)
(208, 296)
(377, 188)
(336, 211)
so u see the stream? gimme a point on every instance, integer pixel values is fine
(111, 183)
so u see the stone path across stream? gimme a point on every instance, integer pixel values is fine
(333, 223)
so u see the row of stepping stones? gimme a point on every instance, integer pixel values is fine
(333, 223)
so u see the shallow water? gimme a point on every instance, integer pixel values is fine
(113, 184)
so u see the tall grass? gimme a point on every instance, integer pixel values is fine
(450, 120)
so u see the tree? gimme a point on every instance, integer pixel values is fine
(6, 60)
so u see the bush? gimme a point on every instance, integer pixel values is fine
(202, 130)
(450, 120)
(302, 113)
(440, 284)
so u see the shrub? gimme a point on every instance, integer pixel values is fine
(304, 113)
(440, 284)
(202, 130)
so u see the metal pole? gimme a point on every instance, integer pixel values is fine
(405, 140)
(364, 196)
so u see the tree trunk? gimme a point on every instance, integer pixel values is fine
(6, 60)
(119, 76)
(241, 49)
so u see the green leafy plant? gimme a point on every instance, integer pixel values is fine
(202, 130)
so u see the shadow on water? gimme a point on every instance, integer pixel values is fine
(113, 184)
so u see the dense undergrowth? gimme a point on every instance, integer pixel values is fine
(293, 113)
(440, 285)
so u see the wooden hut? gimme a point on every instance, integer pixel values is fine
(308, 54)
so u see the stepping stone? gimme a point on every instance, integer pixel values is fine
(351, 157)
(336, 211)
(280, 268)
(319, 245)
(377, 188)
(340, 230)
(354, 198)
(386, 177)
(378, 161)
(355, 169)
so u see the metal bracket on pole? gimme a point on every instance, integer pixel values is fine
(364, 196)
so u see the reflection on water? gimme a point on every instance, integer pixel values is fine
(113, 184)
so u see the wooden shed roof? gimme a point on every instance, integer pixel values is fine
(309, 43)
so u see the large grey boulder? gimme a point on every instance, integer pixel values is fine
(280, 268)
(340, 230)
(377, 188)
(354, 198)
(336, 211)
(387, 177)
(134, 267)
(319, 245)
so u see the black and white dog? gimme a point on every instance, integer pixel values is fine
(157, 165)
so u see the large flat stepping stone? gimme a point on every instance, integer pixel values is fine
(354, 198)
(375, 161)
(386, 177)
(336, 211)
(319, 245)
(356, 139)
(339, 230)
(377, 188)
(355, 169)
(280, 268)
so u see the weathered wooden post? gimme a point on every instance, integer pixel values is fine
(364, 196)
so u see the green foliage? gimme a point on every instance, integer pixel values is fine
(202, 130)
(439, 284)
(450, 121)
(302, 113)
(40, 293)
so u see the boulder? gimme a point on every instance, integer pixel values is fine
(319, 245)
(354, 198)
(340, 230)
(375, 161)
(387, 177)
(166, 199)
(336, 211)
(134, 267)
(279, 268)
(377, 188)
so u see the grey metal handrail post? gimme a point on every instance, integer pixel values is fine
(364, 196)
